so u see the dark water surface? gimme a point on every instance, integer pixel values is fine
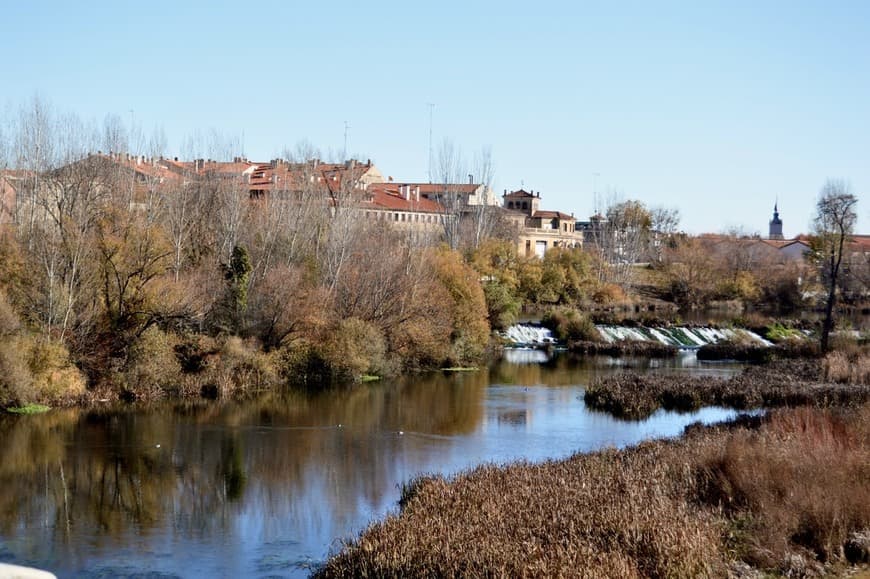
(267, 488)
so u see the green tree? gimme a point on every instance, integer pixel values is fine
(236, 274)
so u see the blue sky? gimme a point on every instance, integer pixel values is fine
(715, 108)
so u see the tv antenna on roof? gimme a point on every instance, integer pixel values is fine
(344, 151)
(431, 109)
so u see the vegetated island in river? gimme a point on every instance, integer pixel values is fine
(784, 493)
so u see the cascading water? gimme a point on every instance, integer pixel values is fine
(681, 337)
(527, 335)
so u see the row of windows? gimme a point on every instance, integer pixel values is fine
(402, 217)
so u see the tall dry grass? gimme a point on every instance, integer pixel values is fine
(635, 396)
(796, 488)
(783, 497)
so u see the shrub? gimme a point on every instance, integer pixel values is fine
(777, 332)
(241, 366)
(608, 293)
(303, 364)
(33, 370)
(152, 366)
(467, 308)
(846, 367)
(502, 306)
(16, 380)
(570, 324)
(355, 348)
(9, 322)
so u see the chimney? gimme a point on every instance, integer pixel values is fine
(470, 179)
(417, 193)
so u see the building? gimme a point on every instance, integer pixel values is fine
(402, 205)
(539, 230)
(775, 225)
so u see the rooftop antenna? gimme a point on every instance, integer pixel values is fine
(344, 152)
(431, 109)
(595, 199)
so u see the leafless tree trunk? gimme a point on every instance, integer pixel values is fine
(835, 219)
(450, 172)
(483, 214)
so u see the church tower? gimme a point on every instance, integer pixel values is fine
(775, 231)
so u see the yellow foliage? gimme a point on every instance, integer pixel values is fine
(468, 308)
(33, 370)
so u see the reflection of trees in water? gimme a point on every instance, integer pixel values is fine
(559, 370)
(195, 468)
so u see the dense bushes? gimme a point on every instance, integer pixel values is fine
(33, 370)
(568, 324)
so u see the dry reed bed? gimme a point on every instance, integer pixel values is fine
(754, 352)
(783, 383)
(624, 348)
(784, 497)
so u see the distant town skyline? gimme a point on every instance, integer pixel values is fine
(717, 109)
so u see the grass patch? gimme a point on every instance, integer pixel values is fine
(782, 495)
(369, 378)
(461, 369)
(29, 409)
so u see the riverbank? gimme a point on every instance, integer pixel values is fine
(785, 494)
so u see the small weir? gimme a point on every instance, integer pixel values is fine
(679, 336)
(528, 335)
(684, 337)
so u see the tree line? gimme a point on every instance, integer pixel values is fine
(115, 280)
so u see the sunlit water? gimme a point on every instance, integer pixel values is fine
(268, 488)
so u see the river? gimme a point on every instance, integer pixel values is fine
(268, 487)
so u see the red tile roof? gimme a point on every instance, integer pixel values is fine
(389, 196)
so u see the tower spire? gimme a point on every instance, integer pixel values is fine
(775, 231)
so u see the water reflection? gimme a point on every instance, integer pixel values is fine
(267, 487)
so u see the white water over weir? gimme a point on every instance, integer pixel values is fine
(528, 335)
(680, 336)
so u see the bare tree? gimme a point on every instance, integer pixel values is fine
(483, 214)
(621, 239)
(833, 224)
(450, 171)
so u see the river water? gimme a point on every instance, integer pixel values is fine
(268, 487)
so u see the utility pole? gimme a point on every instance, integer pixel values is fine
(431, 109)
(595, 200)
